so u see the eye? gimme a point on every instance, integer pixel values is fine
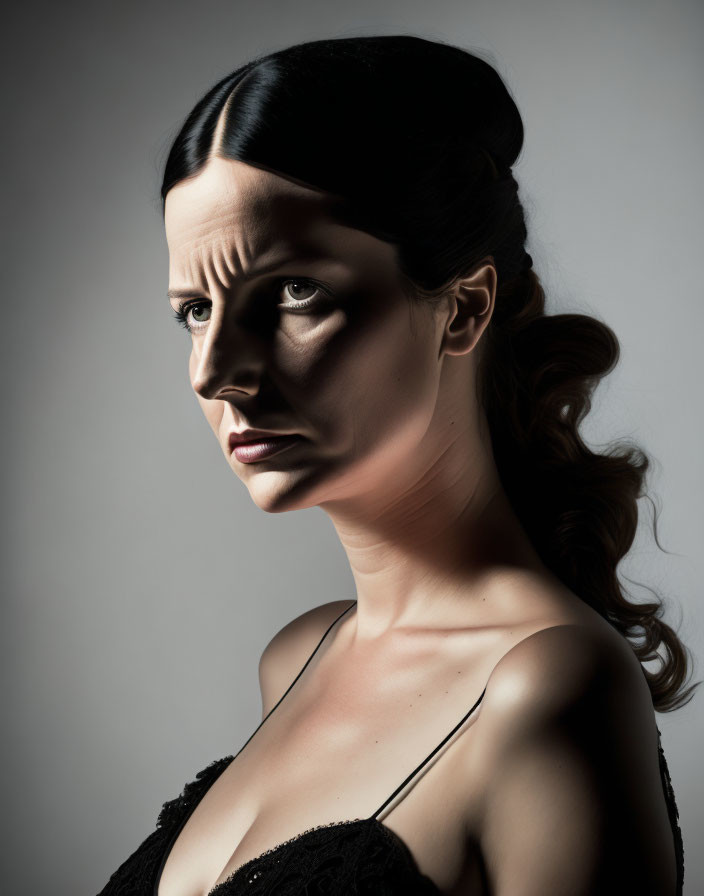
(299, 290)
(183, 312)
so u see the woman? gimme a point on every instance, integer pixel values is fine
(347, 252)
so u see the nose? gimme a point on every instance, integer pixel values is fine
(231, 357)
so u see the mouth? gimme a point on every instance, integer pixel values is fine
(261, 448)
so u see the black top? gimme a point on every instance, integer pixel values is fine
(356, 857)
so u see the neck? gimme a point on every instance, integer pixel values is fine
(427, 538)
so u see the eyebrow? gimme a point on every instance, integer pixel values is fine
(310, 255)
(184, 294)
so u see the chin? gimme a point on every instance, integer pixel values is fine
(277, 492)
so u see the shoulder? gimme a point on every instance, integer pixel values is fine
(566, 749)
(283, 657)
(572, 681)
(562, 668)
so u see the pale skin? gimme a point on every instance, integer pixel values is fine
(552, 786)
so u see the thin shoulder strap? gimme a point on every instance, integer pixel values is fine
(430, 755)
(195, 792)
(305, 665)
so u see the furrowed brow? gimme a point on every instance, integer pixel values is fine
(301, 256)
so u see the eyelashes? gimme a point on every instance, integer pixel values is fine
(185, 309)
(182, 312)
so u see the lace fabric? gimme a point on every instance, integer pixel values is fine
(138, 874)
(355, 858)
(358, 857)
(674, 814)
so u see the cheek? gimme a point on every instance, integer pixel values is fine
(393, 387)
(371, 380)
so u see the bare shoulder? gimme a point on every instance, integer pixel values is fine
(566, 749)
(572, 677)
(564, 667)
(284, 655)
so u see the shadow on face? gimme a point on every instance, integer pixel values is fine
(299, 324)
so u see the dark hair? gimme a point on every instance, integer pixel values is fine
(416, 138)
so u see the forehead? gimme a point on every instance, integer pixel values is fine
(232, 204)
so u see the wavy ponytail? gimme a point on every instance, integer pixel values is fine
(414, 140)
(579, 507)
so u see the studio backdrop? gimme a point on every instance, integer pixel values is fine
(140, 582)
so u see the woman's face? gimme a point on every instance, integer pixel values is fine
(354, 371)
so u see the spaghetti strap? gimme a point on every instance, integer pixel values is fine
(219, 767)
(305, 666)
(430, 755)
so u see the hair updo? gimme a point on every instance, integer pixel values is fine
(416, 140)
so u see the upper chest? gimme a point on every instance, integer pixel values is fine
(337, 747)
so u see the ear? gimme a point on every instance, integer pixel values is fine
(471, 303)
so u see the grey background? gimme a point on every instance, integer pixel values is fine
(140, 581)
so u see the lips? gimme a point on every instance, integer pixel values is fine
(265, 447)
(252, 435)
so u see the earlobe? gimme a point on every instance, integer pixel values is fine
(471, 306)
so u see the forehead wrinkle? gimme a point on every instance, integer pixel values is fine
(196, 272)
(220, 259)
(200, 268)
(216, 254)
(241, 252)
(202, 232)
(239, 223)
(233, 249)
(214, 268)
